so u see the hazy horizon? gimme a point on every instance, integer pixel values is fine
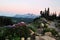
(12, 7)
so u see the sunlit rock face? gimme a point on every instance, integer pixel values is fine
(48, 34)
(48, 38)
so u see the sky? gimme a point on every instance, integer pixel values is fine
(11, 7)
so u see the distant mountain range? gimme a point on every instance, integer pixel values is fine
(8, 14)
(26, 16)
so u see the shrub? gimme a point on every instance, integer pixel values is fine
(53, 31)
(14, 32)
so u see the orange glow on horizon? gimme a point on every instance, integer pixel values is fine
(19, 10)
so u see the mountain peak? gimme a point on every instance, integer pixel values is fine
(26, 16)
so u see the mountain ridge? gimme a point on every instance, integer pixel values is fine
(26, 16)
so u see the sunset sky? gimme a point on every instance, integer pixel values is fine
(8, 7)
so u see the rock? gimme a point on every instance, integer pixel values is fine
(48, 34)
(48, 38)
